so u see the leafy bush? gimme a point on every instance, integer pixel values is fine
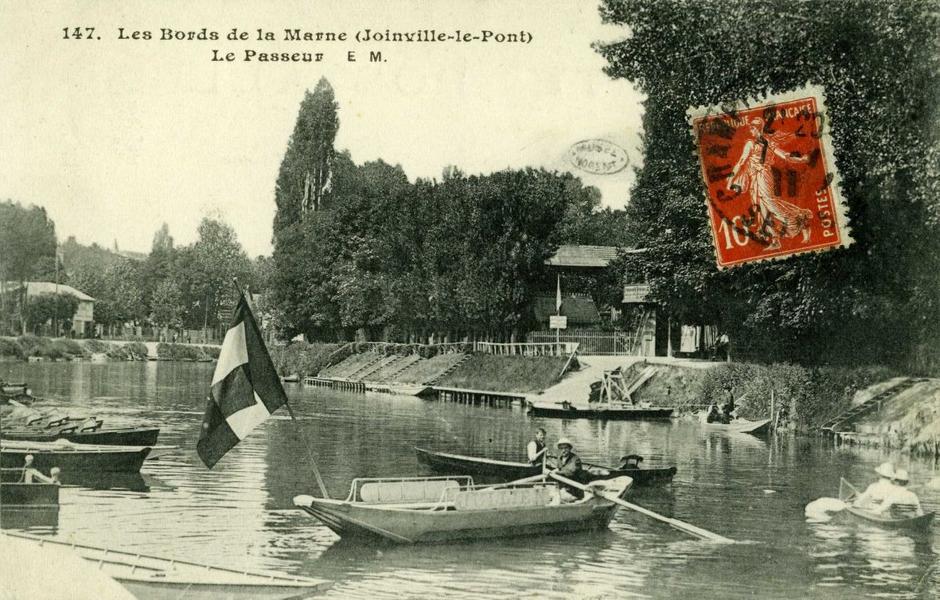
(804, 397)
(11, 348)
(55, 349)
(97, 346)
(302, 358)
(130, 351)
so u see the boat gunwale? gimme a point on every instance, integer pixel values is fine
(286, 578)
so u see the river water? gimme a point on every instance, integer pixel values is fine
(240, 513)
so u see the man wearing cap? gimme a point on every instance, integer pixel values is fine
(569, 466)
(900, 501)
(874, 495)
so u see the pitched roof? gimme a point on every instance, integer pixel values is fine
(34, 288)
(579, 309)
(571, 255)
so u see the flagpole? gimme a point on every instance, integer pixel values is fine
(290, 411)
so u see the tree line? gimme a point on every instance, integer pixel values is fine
(359, 250)
(171, 288)
(879, 63)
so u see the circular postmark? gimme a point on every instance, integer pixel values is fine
(597, 156)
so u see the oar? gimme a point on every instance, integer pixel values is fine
(675, 523)
(531, 479)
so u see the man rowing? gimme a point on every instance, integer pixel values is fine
(875, 494)
(569, 466)
(900, 501)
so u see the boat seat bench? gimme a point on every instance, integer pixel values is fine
(503, 498)
(405, 492)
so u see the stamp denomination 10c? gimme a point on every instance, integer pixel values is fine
(771, 183)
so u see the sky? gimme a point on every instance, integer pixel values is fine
(116, 136)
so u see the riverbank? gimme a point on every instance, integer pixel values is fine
(33, 348)
(799, 398)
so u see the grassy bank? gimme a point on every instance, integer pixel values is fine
(301, 358)
(804, 397)
(522, 374)
(187, 352)
(24, 347)
(27, 346)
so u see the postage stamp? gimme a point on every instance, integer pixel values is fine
(599, 157)
(771, 183)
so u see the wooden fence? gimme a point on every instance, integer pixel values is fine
(616, 343)
(528, 349)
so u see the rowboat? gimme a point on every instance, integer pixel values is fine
(73, 457)
(401, 389)
(610, 411)
(456, 464)
(738, 426)
(918, 523)
(14, 492)
(444, 509)
(128, 436)
(153, 578)
(16, 392)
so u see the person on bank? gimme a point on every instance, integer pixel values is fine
(536, 450)
(569, 467)
(875, 494)
(728, 408)
(900, 501)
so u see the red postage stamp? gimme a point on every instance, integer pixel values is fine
(771, 183)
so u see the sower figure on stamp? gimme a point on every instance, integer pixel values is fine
(753, 173)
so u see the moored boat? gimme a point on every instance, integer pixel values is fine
(152, 577)
(401, 389)
(127, 436)
(610, 411)
(456, 464)
(73, 457)
(738, 425)
(14, 492)
(914, 523)
(445, 509)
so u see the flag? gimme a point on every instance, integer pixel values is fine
(558, 295)
(245, 388)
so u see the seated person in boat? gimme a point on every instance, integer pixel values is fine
(900, 502)
(714, 415)
(874, 495)
(630, 461)
(536, 451)
(569, 466)
(30, 475)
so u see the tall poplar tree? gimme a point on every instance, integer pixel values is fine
(305, 176)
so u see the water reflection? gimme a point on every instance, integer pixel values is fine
(240, 513)
(35, 519)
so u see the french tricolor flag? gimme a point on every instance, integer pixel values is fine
(245, 388)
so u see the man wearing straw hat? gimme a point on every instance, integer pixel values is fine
(900, 501)
(569, 466)
(875, 494)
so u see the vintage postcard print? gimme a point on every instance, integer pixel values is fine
(771, 183)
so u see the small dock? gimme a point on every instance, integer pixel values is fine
(487, 397)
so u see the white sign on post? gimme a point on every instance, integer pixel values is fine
(557, 322)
